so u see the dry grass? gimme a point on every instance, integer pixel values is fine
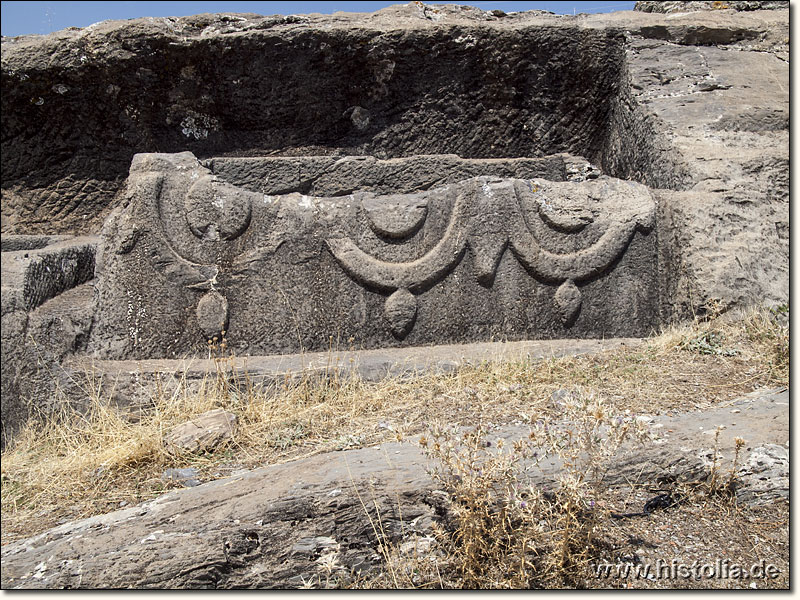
(504, 532)
(70, 465)
(507, 529)
(507, 532)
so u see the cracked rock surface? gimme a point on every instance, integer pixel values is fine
(272, 527)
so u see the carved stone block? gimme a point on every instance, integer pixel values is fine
(189, 256)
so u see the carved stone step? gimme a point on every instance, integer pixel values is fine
(131, 383)
(39, 267)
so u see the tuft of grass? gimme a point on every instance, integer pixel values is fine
(768, 330)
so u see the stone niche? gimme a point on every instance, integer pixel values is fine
(502, 250)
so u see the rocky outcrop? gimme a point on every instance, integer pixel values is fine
(279, 526)
(46, 318)
(400, 82)
(333, 154)
(686, 6)
(696, 102)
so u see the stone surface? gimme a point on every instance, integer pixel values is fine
(131, 383)
(46, 317)
(212, 315)
(15, 243)
(428, 83)
(392, 84)
(478, 259)
(203, 432)
(696, 103)
(14, 409)
(270, 527)
(401, 312)
(35, 346)
(726, 232)
(684, 6)
(342, 175)
(691, 101)
(186, 477)
(765, 475)
(43, 267)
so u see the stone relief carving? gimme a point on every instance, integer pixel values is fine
(214, 212)
(217, 211)
(488, 217)
(211, 242)
(396, 217)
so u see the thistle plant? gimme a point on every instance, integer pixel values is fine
(512, 527)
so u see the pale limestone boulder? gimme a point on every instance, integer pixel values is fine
(202, 432)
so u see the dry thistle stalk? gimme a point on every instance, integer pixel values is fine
(507, 530)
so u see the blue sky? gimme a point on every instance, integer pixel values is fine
(20, 18)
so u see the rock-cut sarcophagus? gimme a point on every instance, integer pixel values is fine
(192, 253)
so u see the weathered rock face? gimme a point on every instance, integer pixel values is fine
(191, 255)
(389, 85)
(659, 100)
(684, 6)
(46, 316)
